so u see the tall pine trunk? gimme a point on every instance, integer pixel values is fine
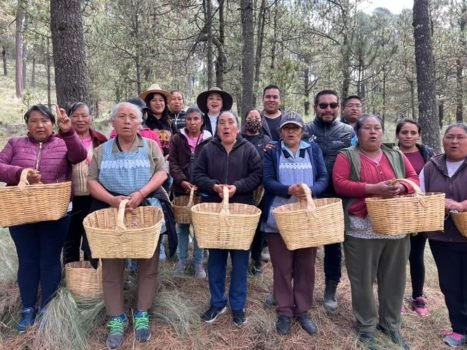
(247, 56)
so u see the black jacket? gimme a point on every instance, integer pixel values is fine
(241, 167)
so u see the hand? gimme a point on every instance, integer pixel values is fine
(232, 189)
(188, 186)
(136, 198)
(388, 188)
(34, 177)
(115, 201)
(218, 189)
(297, 190)
(268, 147)
(451, 204)
(63, 122)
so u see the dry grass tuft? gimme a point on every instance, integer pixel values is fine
(9, 260)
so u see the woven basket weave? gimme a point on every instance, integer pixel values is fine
(26, 204)
(115, 234)
(224, 225)
(310, 223)
(181, 206)
(419, 212)
(83, 281)
(460, 220)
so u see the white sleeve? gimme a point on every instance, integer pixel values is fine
(421, 177)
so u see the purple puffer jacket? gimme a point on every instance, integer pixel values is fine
(53, 156)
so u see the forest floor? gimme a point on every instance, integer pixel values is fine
(179, 302)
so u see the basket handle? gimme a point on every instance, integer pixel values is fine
(417, 189)
(23, 180)
(190, 200)
(121, 216)
(310, 204)
(225, 201)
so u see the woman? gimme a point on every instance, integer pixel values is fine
(158, 113)
(363, 171)
(252, 132)
(212, 102)
(127, 167)
(176, 105)
(292, 163)
(448, 173)
(81, 121)
(184, 149)
(408, 135)
(232, 162)
(40, 244)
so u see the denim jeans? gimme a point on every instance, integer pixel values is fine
(39, 246)
(183, 234)
(217, 266)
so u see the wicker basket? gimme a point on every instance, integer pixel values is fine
(310, 223)
(115, 234)
(417, 212)
(182, 207)
(26, 204)
(83, 281)
(224, 225)
(460, 220)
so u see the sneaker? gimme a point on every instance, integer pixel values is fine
(419, 306)
(454, 339)
(141, 323)
(199, 271)
(212, 314)
(239, 318)
(395, 337)
(283, 325)
(307, 324)
(330, 302)
(117, 326)
(366, 340)
(180, 268)
(28, 316)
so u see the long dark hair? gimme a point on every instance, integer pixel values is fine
(165, 113)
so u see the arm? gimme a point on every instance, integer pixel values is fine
(76, 151)
(341, 179)
(322, 178)
(9, 173)
(270, 182)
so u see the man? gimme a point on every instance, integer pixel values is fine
(331, 135)
(177, 114)
(351, 112)
(272, 115)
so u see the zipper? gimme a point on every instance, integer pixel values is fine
(39, 155)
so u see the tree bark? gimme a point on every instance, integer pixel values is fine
(33, 72)
(71, 74)
(20, 19)
(208, 29)
(220, 63)
(428, 113)
(259, 46)
(49, 67)
(5, 67)
(247, 56)
(460, 65)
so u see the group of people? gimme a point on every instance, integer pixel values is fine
(155, 144)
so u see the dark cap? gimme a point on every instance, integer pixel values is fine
(292, 118)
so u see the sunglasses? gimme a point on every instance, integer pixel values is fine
(333, 105)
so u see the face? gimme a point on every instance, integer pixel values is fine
(176, 102)
(157, 104)
(327, 108)
(271, 101)
(39, 126)
(352, 110)
(126, 122)
(291, 134)
(370, 135)
(408, 135)
(214, 103)
(81, 120)
(455, 144)
(227, 128)
(194, 121)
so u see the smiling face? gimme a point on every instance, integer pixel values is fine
(327, 108)
(40, 127)
(214, 103)
(227, 128)
(455, 143)
(157, 104)
(176, 102)
(408, 136)
(81, 120)
(370, 134)
(271, 101)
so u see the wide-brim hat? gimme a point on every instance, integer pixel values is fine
(155, 89)
(202, 99)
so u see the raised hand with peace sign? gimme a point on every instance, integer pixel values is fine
(63, 121)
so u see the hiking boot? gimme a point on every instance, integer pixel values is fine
(366, 340)
(117, 326)
(212, 314)
(199, 271)
(180, 268)
(395, 337)
(454, 339)
(283, 325)
(330, 302)
(141, 324)
(419, 306)
(270, 300)
(28, 316)
(307, 324)
(239, 318)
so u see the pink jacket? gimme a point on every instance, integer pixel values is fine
(52, 157)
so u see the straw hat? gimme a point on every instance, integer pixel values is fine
(154, 88)
(202, 99)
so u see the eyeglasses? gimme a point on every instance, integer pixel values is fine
(333, 105)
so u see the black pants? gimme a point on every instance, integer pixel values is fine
(71, 249)
(257, 246)
(417, 264)
(451, 261)
(332, 262)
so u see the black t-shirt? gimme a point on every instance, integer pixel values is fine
(274, 125)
